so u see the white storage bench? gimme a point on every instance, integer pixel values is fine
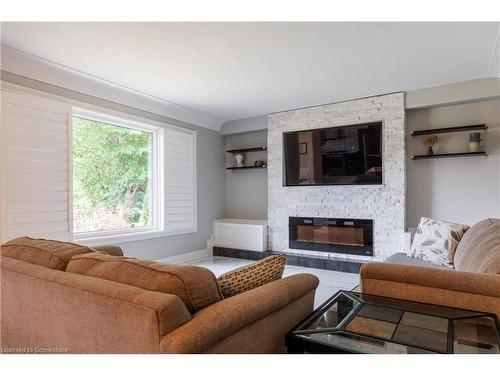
(241, 234)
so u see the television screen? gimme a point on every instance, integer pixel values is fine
(347, 155)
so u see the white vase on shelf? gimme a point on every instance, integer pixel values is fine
(240, 160)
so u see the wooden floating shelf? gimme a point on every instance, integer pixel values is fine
(249, 167)
(453, 155)
(243, 150)
(450, 130)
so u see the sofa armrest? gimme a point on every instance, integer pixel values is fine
(467, 290)
(222, 319)
(167, 310)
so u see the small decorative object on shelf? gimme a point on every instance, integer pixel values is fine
(240, 160)
(474, 142)
(430, 141)
(474, 146)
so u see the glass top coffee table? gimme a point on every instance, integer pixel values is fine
(352, 322)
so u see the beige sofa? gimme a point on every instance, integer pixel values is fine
(61, 297)
(473, 283)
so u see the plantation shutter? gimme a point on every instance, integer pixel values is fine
(35, 167)
(180, 180)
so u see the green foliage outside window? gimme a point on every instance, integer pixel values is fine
(111, 176)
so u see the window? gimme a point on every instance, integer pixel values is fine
(117, 176)
(128, 178)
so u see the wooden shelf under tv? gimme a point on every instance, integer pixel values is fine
(451, 155)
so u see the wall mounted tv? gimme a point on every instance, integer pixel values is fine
(346, 155)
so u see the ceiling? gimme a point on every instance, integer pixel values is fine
(238, 70)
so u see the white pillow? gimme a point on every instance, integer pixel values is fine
(436, 241)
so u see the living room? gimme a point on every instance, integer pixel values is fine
(283, 187)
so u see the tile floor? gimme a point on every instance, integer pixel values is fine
(330, 281)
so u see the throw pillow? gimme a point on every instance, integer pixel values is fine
(436, 241)
(252, 276)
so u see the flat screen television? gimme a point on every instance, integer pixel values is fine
(346, 155)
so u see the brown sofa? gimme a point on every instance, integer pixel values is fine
(61, 297)
(473, 283)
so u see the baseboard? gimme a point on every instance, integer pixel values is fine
(310, 261)
(187, 257)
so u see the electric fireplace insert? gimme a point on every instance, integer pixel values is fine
(345, 236)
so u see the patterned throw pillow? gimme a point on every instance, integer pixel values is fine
(252, 276)
(436, 241)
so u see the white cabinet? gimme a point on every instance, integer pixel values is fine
(241, 234)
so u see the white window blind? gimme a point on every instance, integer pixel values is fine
(180, 180)
(35, 168)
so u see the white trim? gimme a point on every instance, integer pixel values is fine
(124, 121)
(195, 180)
(158, 188)
(156, 171)
(115, 233)
(121, 238)
(187, 257)
(70, 172)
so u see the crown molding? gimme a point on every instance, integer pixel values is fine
(22, 64)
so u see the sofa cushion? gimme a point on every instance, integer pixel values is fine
(48, 253)
(252, 276)
(402, 258)
(479, 249)
(435, 241)
(109, 249)
(195, 286)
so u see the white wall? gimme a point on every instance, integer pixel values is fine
(464, 190)
(246, 190)
(475, 90)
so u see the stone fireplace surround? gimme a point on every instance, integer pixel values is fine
(384, 204)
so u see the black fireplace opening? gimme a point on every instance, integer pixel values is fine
(332, 235)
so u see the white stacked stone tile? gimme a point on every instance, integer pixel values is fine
(384, 204)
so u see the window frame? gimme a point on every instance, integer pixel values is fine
(157, 228)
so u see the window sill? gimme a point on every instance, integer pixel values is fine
(112, 239)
